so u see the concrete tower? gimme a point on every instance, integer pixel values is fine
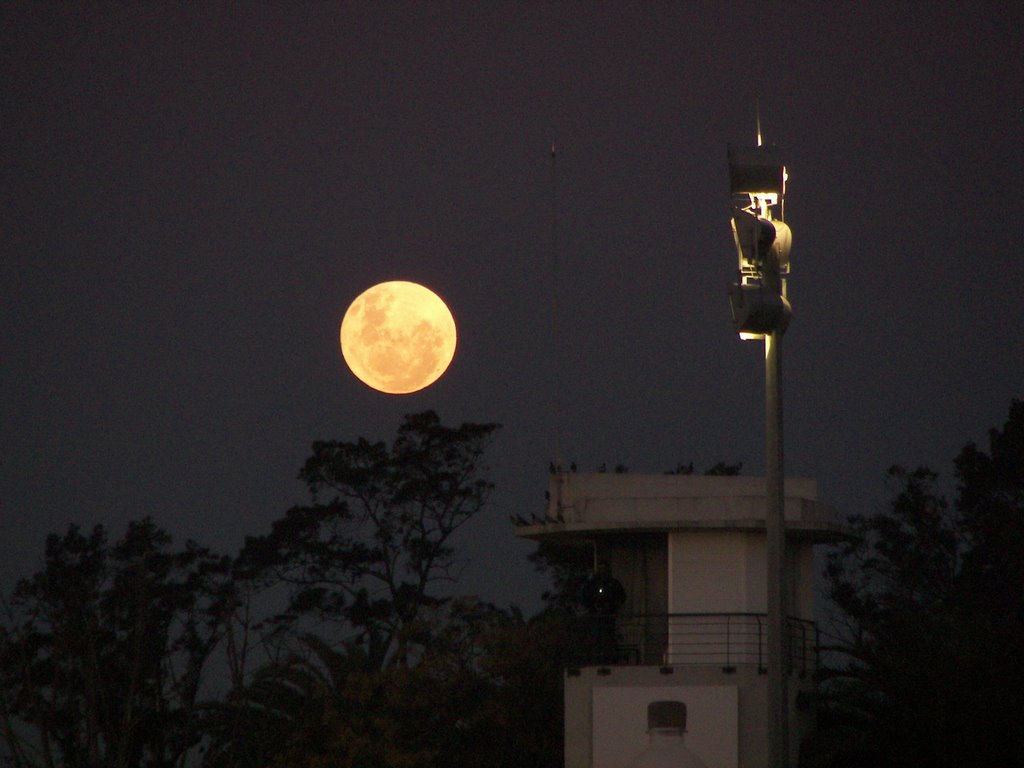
(684, 556)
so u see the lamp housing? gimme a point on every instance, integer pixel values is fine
(758, 311)
(761, 243)
(756, 171)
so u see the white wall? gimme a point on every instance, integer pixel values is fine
(726, 571)
(620, 722)
(707, 572)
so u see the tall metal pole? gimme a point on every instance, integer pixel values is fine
(777, 581)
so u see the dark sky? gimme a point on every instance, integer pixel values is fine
(193, 193)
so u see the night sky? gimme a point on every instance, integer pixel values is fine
(192, 194)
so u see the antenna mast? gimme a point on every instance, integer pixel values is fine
(757, 109)
(555, 324)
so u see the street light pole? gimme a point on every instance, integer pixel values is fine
(761, 310)
(778, 690)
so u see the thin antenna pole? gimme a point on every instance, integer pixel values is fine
(757, 109)
(556, 337)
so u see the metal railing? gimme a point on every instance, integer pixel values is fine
(725, 640)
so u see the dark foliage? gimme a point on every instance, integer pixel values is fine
(102, 652)
(370, 552)
(486, 693)
(932, 621)
(417, 679)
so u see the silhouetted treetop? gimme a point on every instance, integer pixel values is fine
(369, 551)
(931, 621)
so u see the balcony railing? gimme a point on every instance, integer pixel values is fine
(725, 640)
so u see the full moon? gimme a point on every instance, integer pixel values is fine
(398, 337)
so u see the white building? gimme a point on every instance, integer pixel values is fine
(689, 552)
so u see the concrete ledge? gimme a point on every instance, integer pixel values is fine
(597, 503)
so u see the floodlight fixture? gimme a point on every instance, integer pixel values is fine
(757, 183)
(757, 310)
(756, 171)
(761, 242)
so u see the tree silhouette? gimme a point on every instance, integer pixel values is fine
(102, 652)
(486, 691)
(932, 620)
(369, 554)
(393, 675)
